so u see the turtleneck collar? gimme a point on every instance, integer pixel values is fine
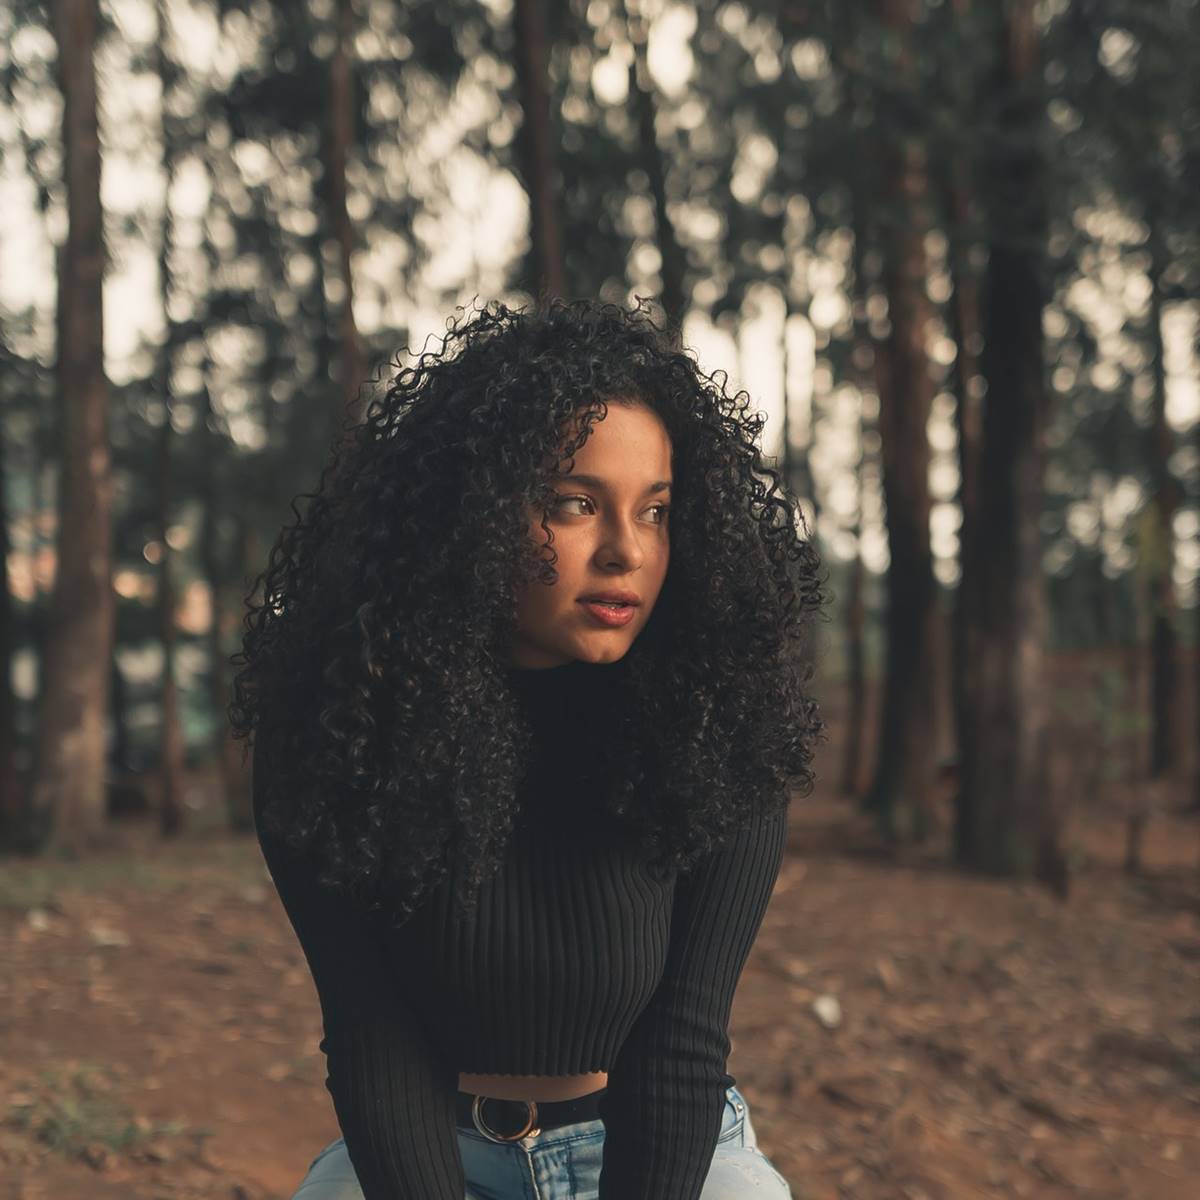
(574, 710)
(576, 700)
(576, 675)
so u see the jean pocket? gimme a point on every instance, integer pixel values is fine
(733, 1120)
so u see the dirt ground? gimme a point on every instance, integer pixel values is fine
(902, 1030)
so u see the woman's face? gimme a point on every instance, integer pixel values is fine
(610, 534)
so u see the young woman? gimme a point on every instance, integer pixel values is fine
(526, 686)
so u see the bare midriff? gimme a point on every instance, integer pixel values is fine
(533, 1087)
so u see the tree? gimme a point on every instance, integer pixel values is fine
(537, 147)
(67, 797)
(9, 803)
(171, 743)
(1006, 817)
(641, 93)
(339, 136)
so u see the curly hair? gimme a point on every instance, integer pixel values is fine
(372, 670)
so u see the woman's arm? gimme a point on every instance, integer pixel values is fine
(666, 1092)
(393, 1096)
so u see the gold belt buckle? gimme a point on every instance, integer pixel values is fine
(530, 1129)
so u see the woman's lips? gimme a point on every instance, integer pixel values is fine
(607, 614)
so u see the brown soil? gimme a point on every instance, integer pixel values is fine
(158, 1027)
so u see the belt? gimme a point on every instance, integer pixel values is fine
(502, 1120)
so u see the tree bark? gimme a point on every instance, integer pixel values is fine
(1008, 820)
(216, 566)
(966, 327)
(1164, 501)
(856, 689)
(171, 745)
(66, 805)
(537, 148)
(235, 763)
(641, 91)
(797, 459)
(855, 613)
(902, 791)
(10, 783)
(338, 140)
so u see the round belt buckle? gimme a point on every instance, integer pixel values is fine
(530, 1121)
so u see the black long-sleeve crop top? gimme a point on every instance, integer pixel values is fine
(576, 960)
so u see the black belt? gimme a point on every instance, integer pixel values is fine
(503, 1120)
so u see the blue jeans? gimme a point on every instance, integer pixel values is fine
(564, 1164)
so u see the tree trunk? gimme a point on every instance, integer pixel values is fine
(323, 347)
(223, 622)
(235, 764)
(338, 140)
(797, 458)
(44, 468)
(855, 613)
(171, 745)
(67, 798)
(1195, 805)
(965, 318)
(120, 752)
(171, 748)
(225, 617)
(537, 148)
(1164, 501)
(1011, 823)
(10, 783)
(902, 791)
(641, 91)
(856, 694)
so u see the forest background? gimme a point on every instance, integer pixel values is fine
(949, 248)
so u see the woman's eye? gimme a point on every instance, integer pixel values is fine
(570, 500)
(662, 509)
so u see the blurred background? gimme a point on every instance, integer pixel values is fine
(949, 247)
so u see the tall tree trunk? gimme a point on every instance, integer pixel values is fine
(1164, 501)
(1012, 822)
(10, 799)
(338, 140)
(224, 618)
(902, 791)
(46, 467)
(1195, 806)
(537, 148)
(641, 92)
(855, 620)
(855, 611)
(797, 457)
(235, 763)
(965, 319)
(171, 746)
(323, 345)
(121, 749)
(223, 622)
(67, 798)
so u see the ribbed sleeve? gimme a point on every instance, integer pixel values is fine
(392, 1093)
(666, 1091)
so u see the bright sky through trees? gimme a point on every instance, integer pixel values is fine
(478, 235)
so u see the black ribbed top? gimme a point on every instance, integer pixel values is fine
(576, 960)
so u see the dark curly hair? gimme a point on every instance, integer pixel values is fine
(372, 670)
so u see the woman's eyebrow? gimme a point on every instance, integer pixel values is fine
(659, 485)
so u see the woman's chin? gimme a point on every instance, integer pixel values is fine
(597, 651)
